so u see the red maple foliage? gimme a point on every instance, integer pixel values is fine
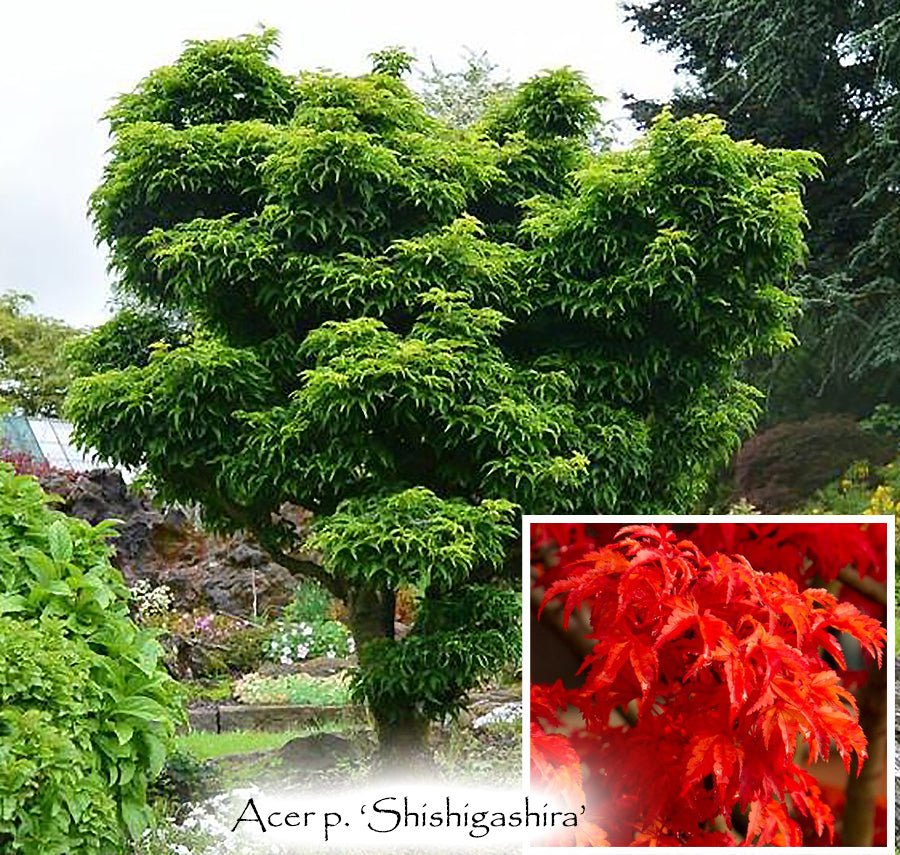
(804, 551)
(705, 675)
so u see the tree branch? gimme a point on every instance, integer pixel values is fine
(867, 587)
(296, 566)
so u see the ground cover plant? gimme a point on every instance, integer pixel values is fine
(703, 674)
(303, 689)
(413, 330)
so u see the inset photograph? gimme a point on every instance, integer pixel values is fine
(712, 681)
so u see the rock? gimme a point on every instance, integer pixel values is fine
(317, 751)
(231, 575)
(325, 666)
(228, 575)
(245, 555)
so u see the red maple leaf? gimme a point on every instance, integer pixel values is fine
(705, 676)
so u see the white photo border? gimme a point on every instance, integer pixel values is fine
(651, 519)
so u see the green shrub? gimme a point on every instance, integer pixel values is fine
(245, 648)
(884, 420)
(306, 629)
(185, 779)
(53, 792)
(88, 712)
(311, 602)
(293, 642)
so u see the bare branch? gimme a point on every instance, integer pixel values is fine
(867, 587)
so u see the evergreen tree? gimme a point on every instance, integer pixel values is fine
(822, 76)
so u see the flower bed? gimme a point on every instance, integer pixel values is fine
(301, 689)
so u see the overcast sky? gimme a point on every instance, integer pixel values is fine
(62, 63)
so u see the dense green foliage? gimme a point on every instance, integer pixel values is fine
(414, 330)
(129, 338)
(86, 711)
(54, 796)
(823, 76)
(33, 371)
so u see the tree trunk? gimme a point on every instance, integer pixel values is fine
(402, 745)
(370, 613)
(859, 812)
(402, 735)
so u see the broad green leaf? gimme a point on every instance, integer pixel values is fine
(143, 708)
(60, 542)
(12, 603)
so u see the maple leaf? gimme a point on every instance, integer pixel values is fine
(769, 823)
(547, 701)
(724, 666)
(555, 765)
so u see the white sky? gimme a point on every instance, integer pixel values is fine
(62, 63)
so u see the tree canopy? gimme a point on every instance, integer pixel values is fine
(33, 371)
(414, 330)
(823, 76)
(461, 97)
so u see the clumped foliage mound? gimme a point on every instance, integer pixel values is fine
(723, 668)
(780, 468)
(413, 330)
(86, 711)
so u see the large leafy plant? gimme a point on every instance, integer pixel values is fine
(412, 330)
(87, 710)
(704, 677)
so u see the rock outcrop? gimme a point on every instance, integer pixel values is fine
(231, 575)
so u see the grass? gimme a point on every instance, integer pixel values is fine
(209, 746)
(245, 757)
(897, 637)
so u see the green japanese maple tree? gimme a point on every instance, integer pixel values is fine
(413, 331)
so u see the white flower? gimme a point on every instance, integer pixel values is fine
(505, 712)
